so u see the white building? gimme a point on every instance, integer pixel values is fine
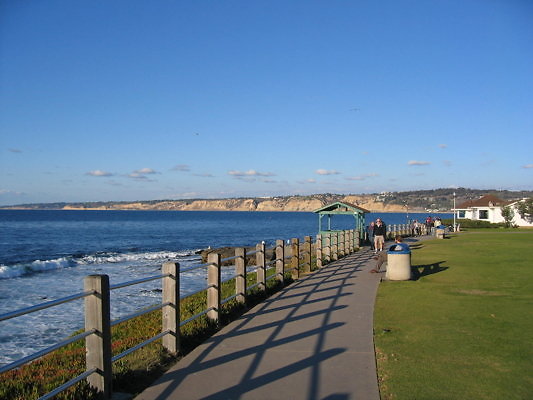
(489, 208)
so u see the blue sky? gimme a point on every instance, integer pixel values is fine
(140, 100)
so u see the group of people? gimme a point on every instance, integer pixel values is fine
(415, 226)
(376, 232)
(432, 223)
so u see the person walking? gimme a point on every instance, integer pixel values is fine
(380, 231)
(370, 234)
(429, 225)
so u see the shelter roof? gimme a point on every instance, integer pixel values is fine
(341, 207)
(484, 201)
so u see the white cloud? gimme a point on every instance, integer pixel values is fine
(326, 172)
(140, 174)
(99, 172)
(140, 177)
(448, 163)
(528, 166)
(443, 146)
(15, 150)
(413, 162)
(182, 167)
(250, 172)
(145, 171)
(361, 177)
(206, 175)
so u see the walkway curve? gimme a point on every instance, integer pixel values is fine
(311, 340)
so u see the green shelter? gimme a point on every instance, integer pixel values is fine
(342, 208)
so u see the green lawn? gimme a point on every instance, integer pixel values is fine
(464, 328)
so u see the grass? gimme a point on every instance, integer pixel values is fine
(136, 371)
(463, 329)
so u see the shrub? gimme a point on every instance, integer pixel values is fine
(470, 223)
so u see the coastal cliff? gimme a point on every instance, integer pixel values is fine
(295, 203)
(435, 200)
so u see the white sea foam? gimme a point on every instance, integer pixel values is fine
(14, 271)
(113, 258)
(17, 270)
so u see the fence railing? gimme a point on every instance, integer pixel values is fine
(295, 258)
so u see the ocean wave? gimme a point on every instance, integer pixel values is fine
(17, 270)
(37, 266)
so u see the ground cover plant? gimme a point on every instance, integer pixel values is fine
(136, 371)
(462, 328)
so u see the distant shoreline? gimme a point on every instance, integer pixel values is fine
(414, 211)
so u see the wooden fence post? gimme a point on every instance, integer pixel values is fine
(307, 254)
(280, 260)
(327, 255)
(340, 248)
(213, 286)
(240, 272)
(347, 250)
(261, 266)
(295, 258)
(335, 246)
(98, 345)
(319, 251)
(171, 312)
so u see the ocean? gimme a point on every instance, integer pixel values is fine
(45, 255)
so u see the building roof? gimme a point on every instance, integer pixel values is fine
(484, 201)
(341, 207)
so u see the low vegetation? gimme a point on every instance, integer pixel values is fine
(462, 329)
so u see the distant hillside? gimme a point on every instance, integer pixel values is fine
(438, 200)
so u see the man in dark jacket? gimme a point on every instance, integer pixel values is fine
(380, 232)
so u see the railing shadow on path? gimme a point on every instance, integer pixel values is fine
(300, 314)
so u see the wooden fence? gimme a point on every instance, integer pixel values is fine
(298, 257)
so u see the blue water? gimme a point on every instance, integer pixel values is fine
(45, 255)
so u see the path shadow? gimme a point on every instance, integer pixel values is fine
(419, 271)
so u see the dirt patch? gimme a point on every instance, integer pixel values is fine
(477, 292)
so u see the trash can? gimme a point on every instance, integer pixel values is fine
(398, 263)
(441, 232)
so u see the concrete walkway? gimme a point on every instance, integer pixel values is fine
(311, 340)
